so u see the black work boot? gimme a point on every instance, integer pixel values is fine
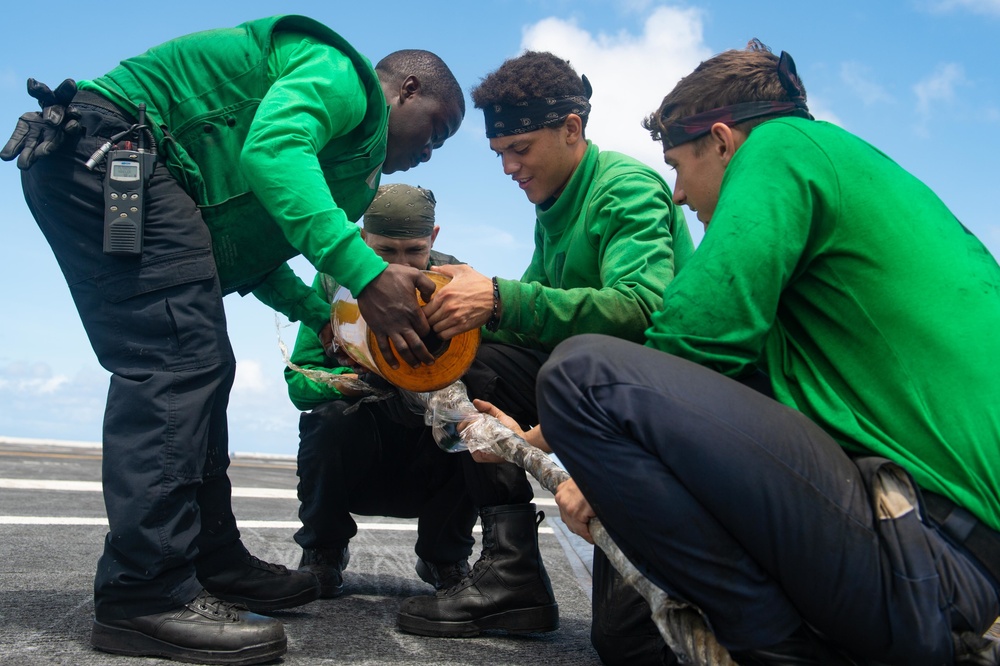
(442, 575)
(507, 588)
(328, 565)
(206, 630)
(235, 575)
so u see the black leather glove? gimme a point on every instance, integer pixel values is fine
(39, 133)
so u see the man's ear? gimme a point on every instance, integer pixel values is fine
(725, 141)
(434, 234)
(574, 128)
(409, 88)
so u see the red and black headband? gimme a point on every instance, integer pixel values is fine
(692, 127)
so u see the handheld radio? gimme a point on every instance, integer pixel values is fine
(130, 166)
(124, 200)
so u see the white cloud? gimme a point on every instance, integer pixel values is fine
(820, 111)
(630, 73)
(250, 377)
(939, 87)
(991, 239)
(987, 7)
(857, 76)
(36, 387)
(260, 415)
(40, 402)
(635, 6)
(31, 379)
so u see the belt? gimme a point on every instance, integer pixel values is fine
(981, 541)
(94, 99)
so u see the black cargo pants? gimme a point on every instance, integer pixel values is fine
(157, 324)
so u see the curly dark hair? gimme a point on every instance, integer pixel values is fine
(531, 75)
(436, 79)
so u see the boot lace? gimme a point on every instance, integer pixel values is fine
(206, 603)
(484, 561)
(467, 579)
(256, 562)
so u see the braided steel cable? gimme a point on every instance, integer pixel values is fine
(682, 626)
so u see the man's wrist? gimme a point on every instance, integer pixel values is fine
(493, 323)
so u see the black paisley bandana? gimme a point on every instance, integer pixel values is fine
(692, 127)
(507, 119)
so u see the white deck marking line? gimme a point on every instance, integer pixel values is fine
(33, 484)
(95, 486)
(255, 524)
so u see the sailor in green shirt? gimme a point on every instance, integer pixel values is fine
(271, 138)
(375, 458)
(608, 240)
(846, 511)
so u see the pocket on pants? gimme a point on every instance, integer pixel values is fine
(911, 555)
(166, 314)
(160, 273)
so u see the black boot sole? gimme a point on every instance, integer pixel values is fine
(117, 640)
(331, 591)
(256, 605)
(521, 621)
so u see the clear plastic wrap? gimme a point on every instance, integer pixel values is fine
(447, 411)
(346, 384)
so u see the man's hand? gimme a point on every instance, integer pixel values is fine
(461, 305)
(39, 133)
(326, 338)
(335, 353)
(389, 306)
(533, 437)
(574, 509)
(488, 408)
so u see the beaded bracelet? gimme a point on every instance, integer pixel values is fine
(494, 323)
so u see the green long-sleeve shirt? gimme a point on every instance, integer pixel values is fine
(282, 160)
(279, 131)
(873, 310)
(604, 252)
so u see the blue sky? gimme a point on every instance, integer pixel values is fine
(917, 78)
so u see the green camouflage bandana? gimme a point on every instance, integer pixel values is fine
(401, 211)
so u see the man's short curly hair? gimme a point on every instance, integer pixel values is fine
(436, 79)
(531, 75)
